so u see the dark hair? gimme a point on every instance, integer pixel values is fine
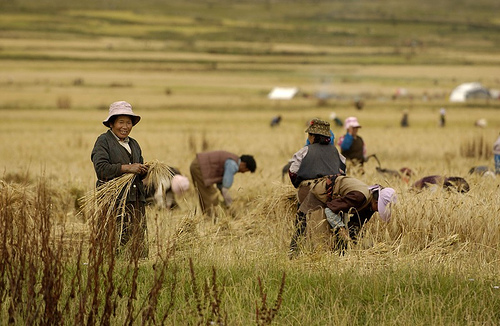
(113, 118)
(323, 140)
(249, 161)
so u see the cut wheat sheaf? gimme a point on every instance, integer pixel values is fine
(109, 200)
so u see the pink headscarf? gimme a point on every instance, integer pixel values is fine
(386, 197)
(180, 184)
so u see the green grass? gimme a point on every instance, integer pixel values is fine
(435, 264)
(324, 23)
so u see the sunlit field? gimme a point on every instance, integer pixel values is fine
(432, 235)
(199, 74)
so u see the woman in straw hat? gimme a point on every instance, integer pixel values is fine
(114, 154)
(308, 167)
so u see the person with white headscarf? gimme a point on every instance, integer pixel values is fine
(348, 204)
(162, 194)
(353, 203)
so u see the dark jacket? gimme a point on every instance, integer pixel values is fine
(355, 152)
(320, 161)
(108, 156)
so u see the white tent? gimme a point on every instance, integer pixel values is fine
(282, 93)
(469, 90)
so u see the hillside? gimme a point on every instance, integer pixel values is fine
(235, 51)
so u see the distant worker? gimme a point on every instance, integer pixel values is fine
(359, 104)
(435, 182)
(213, 172)
(351, 145)
(496, 153)
(442, 117)
(481, 123)
(404, 119)
(334, 118)
(276, 121)
(482, 170)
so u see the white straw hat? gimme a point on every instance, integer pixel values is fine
(351, 122)
(121, 108)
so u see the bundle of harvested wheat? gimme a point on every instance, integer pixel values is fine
(110, 198)
(158, 173)
(279, 203)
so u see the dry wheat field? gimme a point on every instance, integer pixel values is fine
(439, 245)
(453, 233)
(198, 73)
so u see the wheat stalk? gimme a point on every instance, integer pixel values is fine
(108, 199)
(111, 197)
(157, 171)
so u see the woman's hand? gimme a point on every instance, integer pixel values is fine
(136, 168)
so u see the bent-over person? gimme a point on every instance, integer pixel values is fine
(213, 172)
(348, 204)
(162, 194)
(434, 182)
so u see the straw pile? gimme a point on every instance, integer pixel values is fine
(267, 220)
(26, 196)
(279, 204)
(109, 200)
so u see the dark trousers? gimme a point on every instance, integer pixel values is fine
(132, 229)
(299, 230)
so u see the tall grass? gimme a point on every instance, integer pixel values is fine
(432, 256)
(52, 275)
